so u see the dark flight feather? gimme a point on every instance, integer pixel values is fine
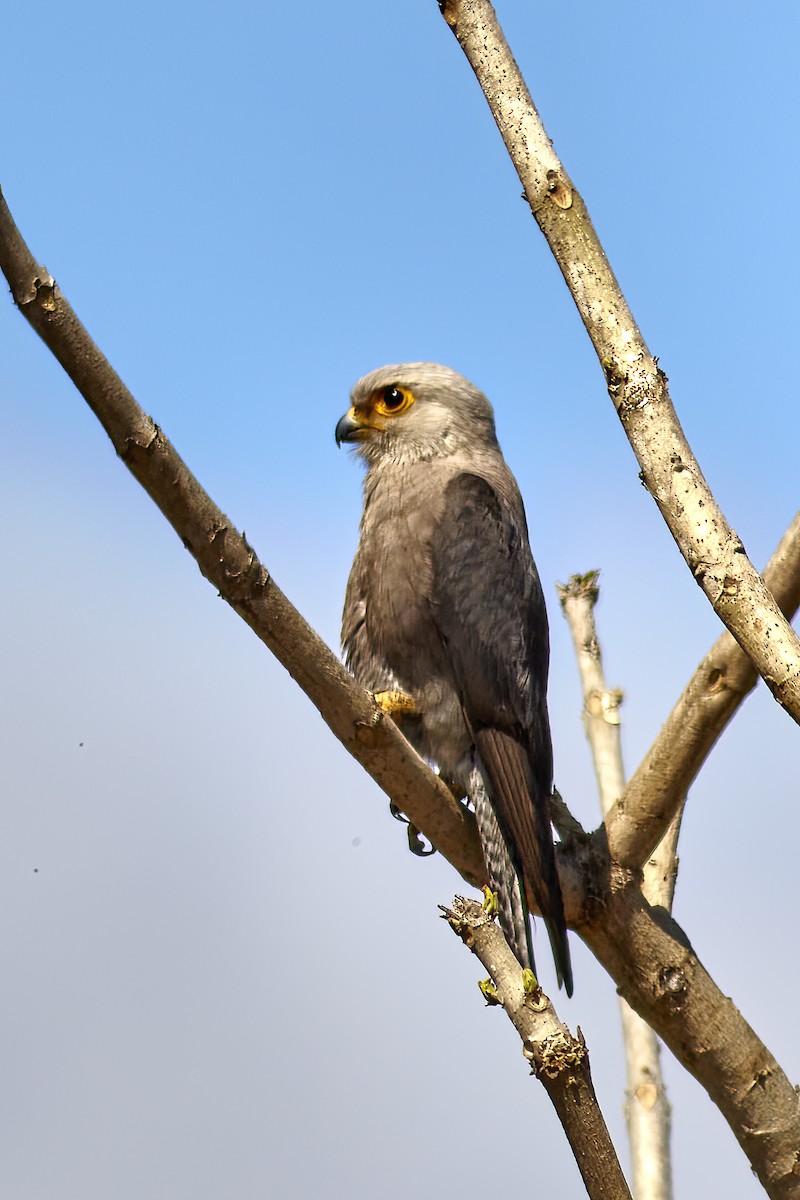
(490, 612)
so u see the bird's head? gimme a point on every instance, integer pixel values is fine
(416, 411)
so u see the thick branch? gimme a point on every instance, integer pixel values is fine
(559, 1060)
(227, 560)
(655, 793)
(658, 973)
(638, 388)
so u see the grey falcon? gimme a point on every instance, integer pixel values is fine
(445, 622)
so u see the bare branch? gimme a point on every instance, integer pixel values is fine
(596, 898)
(655, 793)
(227, 561)
(559, 1060)
(658, 973)
(647, 1110)
(600, 703)
(638, 388)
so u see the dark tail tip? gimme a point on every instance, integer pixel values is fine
(561, 955)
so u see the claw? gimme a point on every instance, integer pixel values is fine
(416, 843)
(489, 901)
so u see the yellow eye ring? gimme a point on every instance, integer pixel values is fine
(392, 400)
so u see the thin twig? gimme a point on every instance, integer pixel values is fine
(647, 1109)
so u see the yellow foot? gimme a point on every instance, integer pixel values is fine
(490, 902)
(395, 703)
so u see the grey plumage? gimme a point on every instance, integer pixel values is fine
(444, 604)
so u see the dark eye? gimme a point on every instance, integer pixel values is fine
(390, 401)
(393, 398)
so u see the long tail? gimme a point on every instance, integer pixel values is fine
(504, 878)
(526, 837)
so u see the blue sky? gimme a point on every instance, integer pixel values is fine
(223, 972)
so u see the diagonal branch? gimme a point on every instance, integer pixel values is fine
(656, 970)
(638, 388)
(227, 561)
(724, 678)
(659, 975)
(603, 903)
(560, 1061)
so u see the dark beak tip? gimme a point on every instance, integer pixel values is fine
(345, 429)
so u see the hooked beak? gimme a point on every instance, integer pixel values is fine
(352, 428)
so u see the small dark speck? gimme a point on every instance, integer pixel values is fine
(80, 743)
(356, 841)
(36, 870)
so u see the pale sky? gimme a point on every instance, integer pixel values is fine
(223, 973)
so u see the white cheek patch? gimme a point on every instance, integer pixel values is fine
(431, 418)
(426, 430)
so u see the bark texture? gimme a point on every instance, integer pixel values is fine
(660, 976)
(227, 561)
(645, 951)
(559, 1060)
(725, 677)
(636, 384)
(647, 1109)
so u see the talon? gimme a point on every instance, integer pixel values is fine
(489, 901)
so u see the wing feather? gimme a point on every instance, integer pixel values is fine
(490, 612)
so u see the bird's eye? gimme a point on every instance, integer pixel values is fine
(392, 400)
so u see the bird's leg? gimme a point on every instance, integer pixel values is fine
(395, 703)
